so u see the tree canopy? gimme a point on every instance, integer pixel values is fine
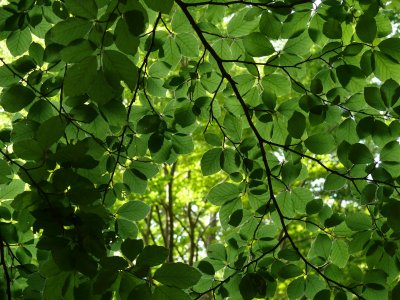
(194, 149)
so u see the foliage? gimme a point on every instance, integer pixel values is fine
(296, 100)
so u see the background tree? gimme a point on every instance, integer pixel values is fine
(291, 107)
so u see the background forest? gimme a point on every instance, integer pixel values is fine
(191, 149)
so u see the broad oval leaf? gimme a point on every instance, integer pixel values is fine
(320, 143)
(179, 275)
(16, 97)
(223, 193)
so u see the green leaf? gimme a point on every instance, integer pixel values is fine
(113, 263)
(50, 131)
(393, 219)
(210, 162)
(322, 295)
(391, 47)
(136, 21)
(386, 67)
(295, 289)
(160, 6)
(188, 44)
(18, 41)
(133, 210)
(118, 67)
(86, 9)
(290, 271)
(321, 247)
(257, 44)
(11, 190)
(126, 229)
(233, 127)
(152, 256)
(222, 193)
(178, 275)
(80, 76)
(184, 116)
(270, 25)
(206, 267)
(320, 143)
(297, 125)
(216, 251)
(131, 248)
(166, 293)
(334, 182)
(277, 84)
(358, 221)
(7, 77)
(148, 124)
(28, 149)
(366, 28)
(125, 40)
(373, 98)
(104, 280)
(390, 153)
(67, 31)
(340, 253)
(101, 92)
(182, 144)
(360, 154)
(347, 131)
(314, 206)
(332, 29)
(77, 51)
(350, 77)
(16, 97)
(230, 160)
(252, 285)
